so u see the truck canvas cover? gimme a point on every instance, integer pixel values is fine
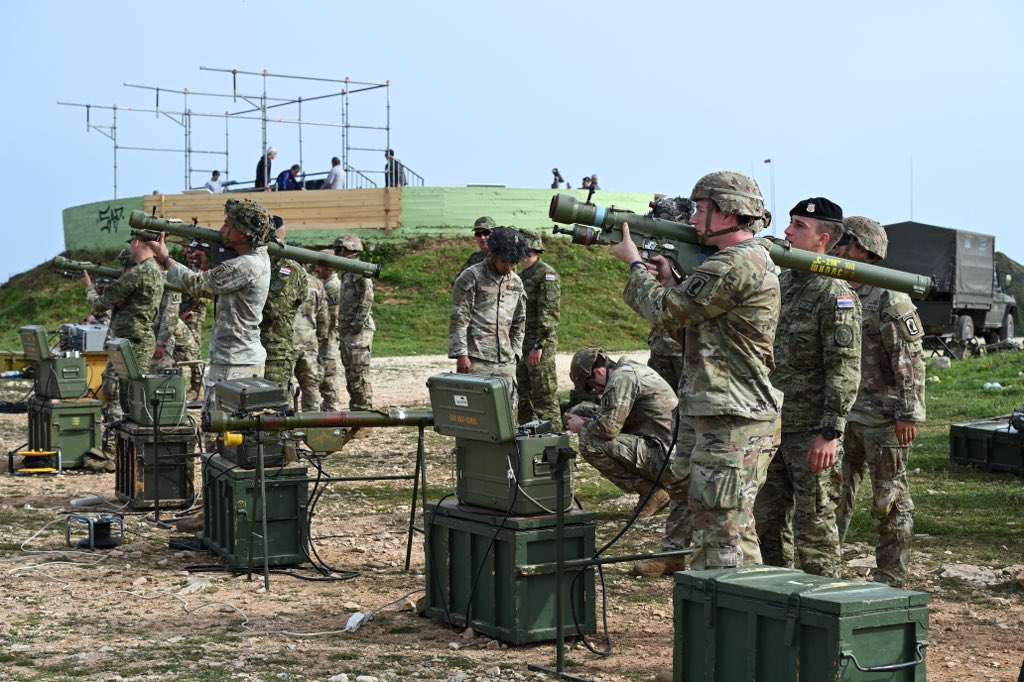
(960, 261)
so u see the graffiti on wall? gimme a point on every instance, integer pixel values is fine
(110, 218)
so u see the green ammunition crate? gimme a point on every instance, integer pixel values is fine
(230, 513)
(989, 445)
(483, 480)
(502, 570)
(137, 469)
(472, 407)
(778, 624)
(71, 426)
(169, 389)
(61, 378)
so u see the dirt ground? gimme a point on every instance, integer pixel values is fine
(144, 611)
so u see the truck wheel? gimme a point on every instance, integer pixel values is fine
(963, 329)
(1007, 331)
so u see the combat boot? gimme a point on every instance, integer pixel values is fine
(652, 568)
(658, 501)
(664, 676)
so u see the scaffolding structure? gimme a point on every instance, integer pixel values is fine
(357, 139)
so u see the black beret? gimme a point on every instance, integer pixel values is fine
(820, 208)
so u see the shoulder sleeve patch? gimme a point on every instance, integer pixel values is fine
(705, 281)
(551, 277)
(908, 323)
(843, 334)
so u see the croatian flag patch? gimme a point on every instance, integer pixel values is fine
(843, 302)
(285, 270)
(550, 278)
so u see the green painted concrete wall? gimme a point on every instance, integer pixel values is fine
(99, 226)
(426, 211)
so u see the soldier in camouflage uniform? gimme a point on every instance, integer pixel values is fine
(890, 403)
(193, 313)
(666, 350)
(330, 351)
(310, 334)
(481, 231)
(355, 326)
(488, 319)
(817, 355)
(240, 285)
(627, 437)
(729, 308)
(133, 299)
(287, 292)
(536, 373)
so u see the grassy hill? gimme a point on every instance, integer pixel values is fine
(412, 298)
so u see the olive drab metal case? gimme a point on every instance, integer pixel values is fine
(990, 445)
(61, 378)
(251, 394)
(496, 573)
(513, 476)
(71, 426)
(230, 514)
(34, 343)
(767, 624)
(139, 465)
(472, 407)
(169, 389)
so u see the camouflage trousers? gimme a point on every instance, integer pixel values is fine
(308, 375)
(330, 385)
(727, 464)
(196, 378)
(505, 370)
(355, 356)
(279, 369)
(876, 449)
(669, 367)
(182, 353)
(538, 389)
(111, 389)
(792, 493)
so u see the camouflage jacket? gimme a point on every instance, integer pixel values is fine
(356, 308)
(729, 307)
(488, 319)
(661, 342)
(543, 302)
(134, 298)
(287, 292)
(240, 285)
(477, 256)
(198, 307)
(167, 319)
(637, 401)
(892, 368)
(310, 331)
(332, 291)
(817, 351)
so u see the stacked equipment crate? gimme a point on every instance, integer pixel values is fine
(60, 417)
(490, 555)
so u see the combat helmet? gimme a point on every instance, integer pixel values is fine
(348, 242)
(869, 234)
(582, 366)
(734, 193)
(250, 218)
(533, 241)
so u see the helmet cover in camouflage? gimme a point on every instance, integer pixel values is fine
(508, 244)
(869, 233)
(582, 366)
(125, 258)
(484, 223)
(533, 240)
(734, 193)
(677, 209)
(349, 242)
(250, 218)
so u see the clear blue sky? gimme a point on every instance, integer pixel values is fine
(845, 98)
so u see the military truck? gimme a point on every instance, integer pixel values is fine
(969, 303)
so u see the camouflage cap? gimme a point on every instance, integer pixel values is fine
(250, 219)
(349, 242)
(869, 233)
(125, 258)
(582, 366)
(484, 223)
(733, 193)
(533, 241)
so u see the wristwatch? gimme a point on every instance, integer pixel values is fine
(829, 433)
